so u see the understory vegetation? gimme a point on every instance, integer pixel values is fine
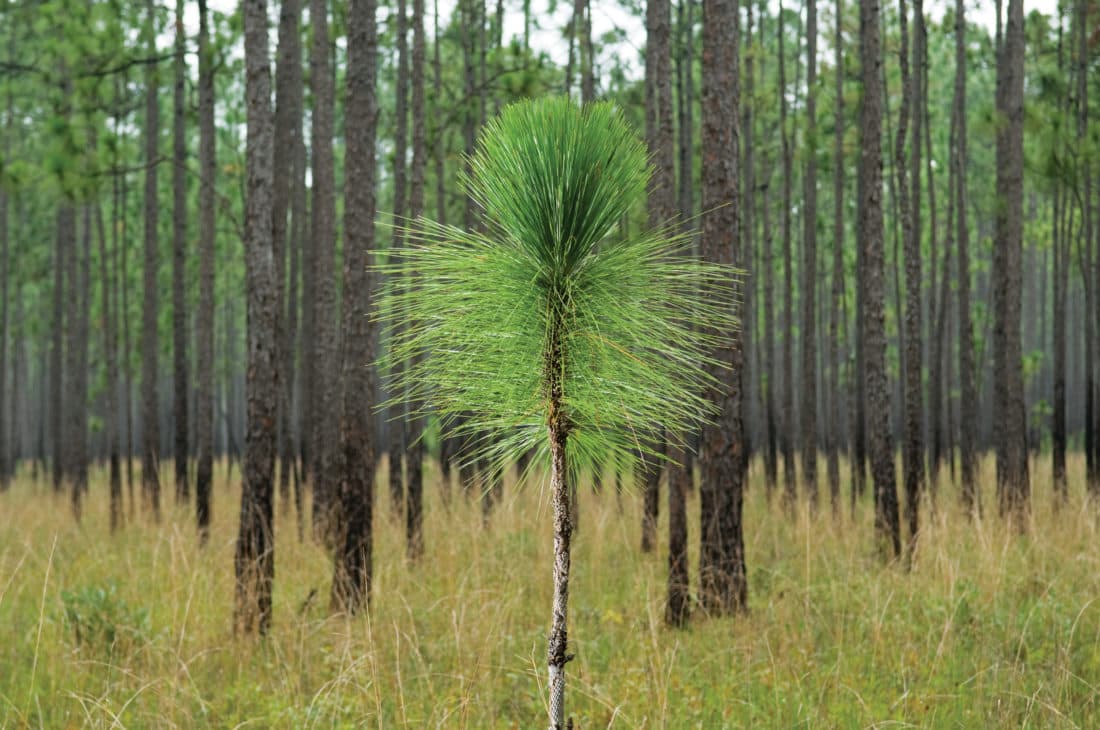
(987, 627)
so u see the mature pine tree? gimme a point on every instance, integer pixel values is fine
(874, 314)
(834, 439)
(788, 421)
(660, 203)
(809, 265)
(968, 391)
(204, 399)
(722, 581)
(358, 450)
(1010, 417)
(909, 208)
(325, 378)
(255, 556)
(414, 489)
(150, 420)
(180, 390)
(395, 420)
(107, 323)
(288, 130)
(1086, 260)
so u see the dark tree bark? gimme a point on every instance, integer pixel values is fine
(204, 400)
(1061, 287)
(76, 365)
(722, 581)
(181, 450)
(6, 452)
(788, 421)
(414, 491)
(771, 455)
(127, 366)
(678, 602)
(325, 379)
(255, 556)
(1086, 261)
(150, 419)
(833, 445)
(1010, 418)
(809, 267)
(352, 578)
(661, 201)
(910, 215)
(65, 232)
(110, 351)
(109, 323)
(288, 131)
(396, 415)
(874, 315)
(968, 391)
(588, 58)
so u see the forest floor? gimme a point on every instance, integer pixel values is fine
(987, 629)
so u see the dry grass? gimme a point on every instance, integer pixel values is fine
(988, 629)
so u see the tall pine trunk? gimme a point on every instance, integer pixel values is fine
(874, 314)
(150, 419)
(204, 401)
(809, 266)
(358, 449)
(414, 489)
(325, 378)
(255, 554)
(180, 385)
(1010, 417)
(722, 578)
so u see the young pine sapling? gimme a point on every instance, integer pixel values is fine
(549, 329)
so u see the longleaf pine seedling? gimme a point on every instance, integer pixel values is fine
(548, 329)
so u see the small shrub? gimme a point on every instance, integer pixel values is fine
(103, 622)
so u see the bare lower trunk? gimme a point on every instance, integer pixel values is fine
(678, 607)
(557, 655)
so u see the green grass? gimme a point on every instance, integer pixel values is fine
(988, 629)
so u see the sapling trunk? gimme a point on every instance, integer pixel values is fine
(558, 427)
(563, 531)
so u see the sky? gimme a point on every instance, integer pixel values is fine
(609, 15)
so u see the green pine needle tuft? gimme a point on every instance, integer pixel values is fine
(638, 318)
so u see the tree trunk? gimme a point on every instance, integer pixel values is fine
(809, 266)
(838, 267)
(910, 216)
(150, 420)
(678, 604)
(110, 350)
(181, 452)
(352, 579)
(325, 396)
(288, 130)
(789, 476)
(255, 555)
(767, 328)
(874, 315)
(661, 202)
(396, 415)
(722, 581)
(204, 402)
(63, 244)
(414, 492)
(1092, 467)
(1010, 417)
(968, 392)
